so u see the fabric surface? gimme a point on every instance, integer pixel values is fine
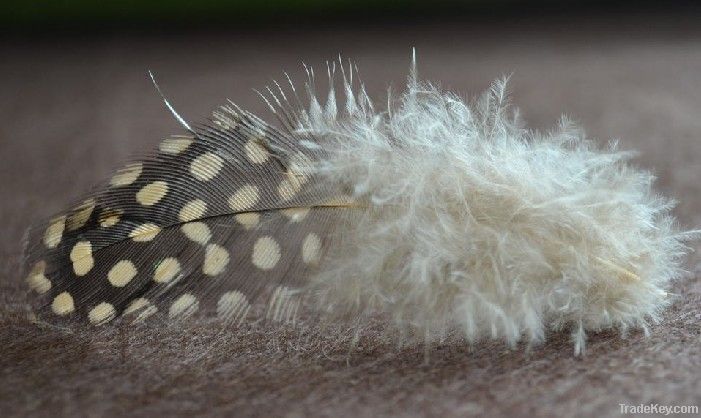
(74, 108)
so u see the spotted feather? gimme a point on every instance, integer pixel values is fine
(209, 223)
(442, 214)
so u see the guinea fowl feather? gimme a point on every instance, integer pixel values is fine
(436, 213)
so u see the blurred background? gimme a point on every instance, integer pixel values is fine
(119, 15)
(76, 101)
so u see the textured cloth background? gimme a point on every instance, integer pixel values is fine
(73, 108)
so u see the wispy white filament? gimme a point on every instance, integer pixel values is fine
(477, 224)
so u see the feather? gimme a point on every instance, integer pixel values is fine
(439, 214)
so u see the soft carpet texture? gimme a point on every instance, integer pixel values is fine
(73, 109)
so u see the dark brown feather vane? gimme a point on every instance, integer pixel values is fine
(211, 223)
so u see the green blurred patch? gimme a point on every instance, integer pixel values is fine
(23, 12)
(34, 15)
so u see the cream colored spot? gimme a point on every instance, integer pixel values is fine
(175, 145)
(255, 151)
(298, 172)
(36, 279)
(145, 232)
(288, 188)
(63, 304)
(197, 231)
(102, 314)
(184, 306)
(194, 209)
(266, 253)
(127, 175)
(81, 256)
(152, 193)
(142, 308)
(295, 214)
(301, 167)
(248, 219)
(206, 166)
(54, 232)
(166, 270)
(215, 260)
(80, 215)
(233, 305)
(110, 217)
(245, 198)
(311, 249)
(122, 273)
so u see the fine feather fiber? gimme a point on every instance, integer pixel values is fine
(467, 221)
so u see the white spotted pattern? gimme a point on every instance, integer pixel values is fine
(216, 259)
(37, 280)
(295, 214)
(311, 248)
(80, 215)
(301, 167)
(206, 166)
(145, 232)
(63, 304)
(110, 217)
(192, 210)
(54, 232)
(121, 273)
(298, 172)
(102, 314)
(81, 257)
(266, 253)
(255, 151)
(197, 231)
(152, 193)
(142, 308)
(244, 198)
(175, 145)
(288, 188)
(184, 306)
(166, 270)
(248, 219)
(127, 175)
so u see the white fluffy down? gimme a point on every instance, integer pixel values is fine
(468, 221)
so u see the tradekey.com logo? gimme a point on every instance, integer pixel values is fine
(658, 409)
